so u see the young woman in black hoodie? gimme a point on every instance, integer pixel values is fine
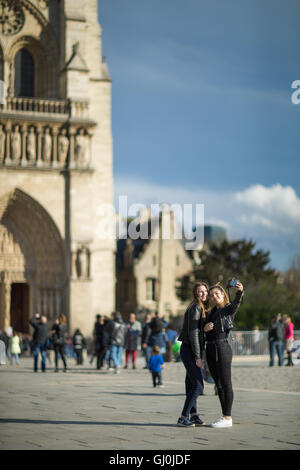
(218, 350)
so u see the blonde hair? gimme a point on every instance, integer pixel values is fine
(226, 298)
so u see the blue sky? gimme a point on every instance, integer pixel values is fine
(202, 111)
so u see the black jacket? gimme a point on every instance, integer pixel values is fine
(59, 335)
(192, 330)
(276, 331)
(116, 329)
(216, 316)
(40, 333)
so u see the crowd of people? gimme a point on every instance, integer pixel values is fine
(115, 343)
(281, 338)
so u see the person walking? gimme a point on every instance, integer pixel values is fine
(116, 330)
(276, 338)
(191, 351)
(100, 347)
(132, 335)
(15, 347)
(156, 364)
(218, 350)
(39, 340)
(146, 330)
(78, 344)
(59, 330)
(289, 339)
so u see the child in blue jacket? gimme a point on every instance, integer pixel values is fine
(156, 364)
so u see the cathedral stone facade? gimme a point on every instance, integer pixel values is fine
(55, 164)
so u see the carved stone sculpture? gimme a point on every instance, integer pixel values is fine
(81, 149)
(2, 143)
(31, 146)
(63, 147)
(47, 146)
(15, 144)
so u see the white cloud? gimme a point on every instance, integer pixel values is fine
(268, 215)
(274, 207)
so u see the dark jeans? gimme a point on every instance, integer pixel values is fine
(276, 346)
(193, 380)
(60, 349)
(100, 353)
(157, 378)
(39, 349)
(219, 358)
(78, 352)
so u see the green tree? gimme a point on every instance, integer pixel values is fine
(266, 293)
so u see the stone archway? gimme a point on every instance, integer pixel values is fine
(32, 254)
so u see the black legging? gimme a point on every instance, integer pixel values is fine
(219, 358)
(60, 349)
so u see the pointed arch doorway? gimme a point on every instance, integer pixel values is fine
(33, 273)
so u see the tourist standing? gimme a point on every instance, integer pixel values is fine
(191, 352)
(132, 335)
(39, 340)
(218, 350)
(276, 338)
(59, 330)
(289, 339)
(15, 348)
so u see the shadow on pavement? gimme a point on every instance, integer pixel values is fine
(94, 423)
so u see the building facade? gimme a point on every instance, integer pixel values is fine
(149, 270)
(55, 164)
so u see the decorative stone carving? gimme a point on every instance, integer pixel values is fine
(31, 145)
(2, 143)
(47, 146)
(81, 149)
(12, 17)
(15, 144)
(63, 147)
(82, 262)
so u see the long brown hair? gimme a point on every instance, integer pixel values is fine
(62, 319)
(204, 305)
(218, 286)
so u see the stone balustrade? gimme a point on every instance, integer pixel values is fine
(72, 108)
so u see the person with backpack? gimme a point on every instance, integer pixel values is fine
(276, 338)
(218, 351)
(78, 344)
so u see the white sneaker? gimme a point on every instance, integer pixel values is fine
(222, 423)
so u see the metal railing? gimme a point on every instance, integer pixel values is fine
(252, 342)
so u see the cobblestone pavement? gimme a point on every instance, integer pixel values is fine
(90, 409)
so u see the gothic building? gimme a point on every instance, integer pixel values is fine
(55, 164)
(149, 269)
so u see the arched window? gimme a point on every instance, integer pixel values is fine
(24, 74)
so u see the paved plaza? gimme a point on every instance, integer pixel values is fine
(86, 409)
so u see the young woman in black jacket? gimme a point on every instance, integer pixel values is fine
(192, 338)
(218, 350)
(58, 339)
